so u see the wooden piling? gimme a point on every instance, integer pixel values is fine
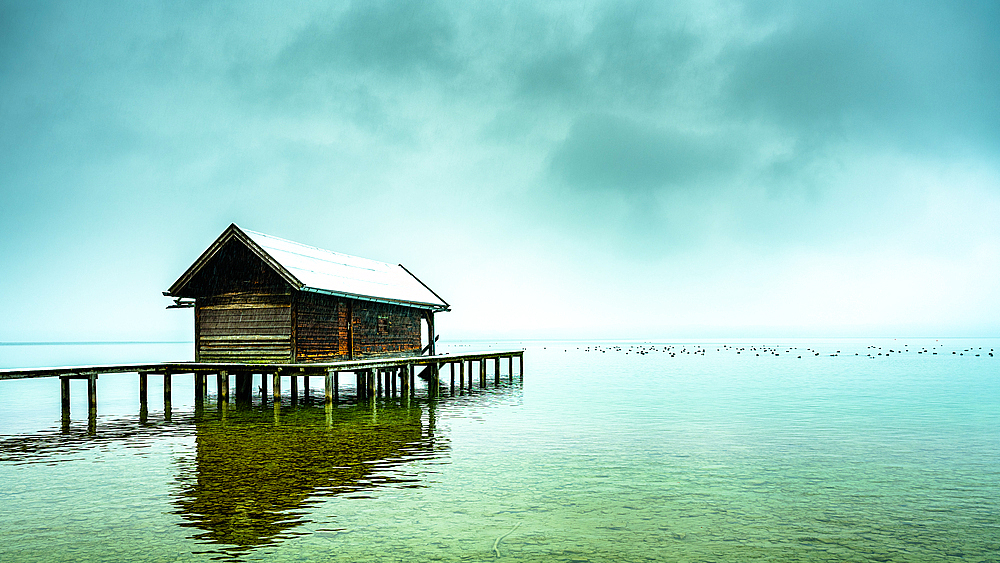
(199, 397)
(166, 391)
(223, 383)
(143, 390)
(244, 388)
(294, 392)
(276, 383)
(482, 373)
(510, 369)
(451, 367)
(64, 394)
(305, 387)
(328, 380)
(496, 371)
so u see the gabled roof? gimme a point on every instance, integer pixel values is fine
(308, 268)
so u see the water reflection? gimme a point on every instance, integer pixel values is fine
(246, 478)
(253, 477)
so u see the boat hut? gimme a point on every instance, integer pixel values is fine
(263, 299)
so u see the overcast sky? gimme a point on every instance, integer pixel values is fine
(552, 169)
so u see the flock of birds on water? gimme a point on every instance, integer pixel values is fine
(759, 349)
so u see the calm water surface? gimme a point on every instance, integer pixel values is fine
(728, 451)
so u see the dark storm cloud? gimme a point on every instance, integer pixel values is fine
(605, 152)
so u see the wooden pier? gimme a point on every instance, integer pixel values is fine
(391, 376)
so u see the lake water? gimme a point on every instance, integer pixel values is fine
(804, 450)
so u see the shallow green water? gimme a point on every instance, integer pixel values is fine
(606, 452)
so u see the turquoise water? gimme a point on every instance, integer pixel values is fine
(606, 452)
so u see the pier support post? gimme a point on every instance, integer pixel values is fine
(199, 397)
(263, 388)
(305, 387)
(244, 388)
(294, 392)
(482, 374)
(64, 395)
(166, 395)
(451, 367)
(222, 380)
(496, 371)
(510, 369)
(328, 380)
(276, 383)
(92, 393)
(143, 390)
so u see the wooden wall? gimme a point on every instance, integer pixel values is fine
(323, 328)
(244, 327)
(381, 329)
(320, 328)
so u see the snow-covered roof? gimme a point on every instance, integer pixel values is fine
(308, 268)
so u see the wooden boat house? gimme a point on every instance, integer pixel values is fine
(262, 299)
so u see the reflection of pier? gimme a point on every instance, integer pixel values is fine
(256, 474)
(394, 376)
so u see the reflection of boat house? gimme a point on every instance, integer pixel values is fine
(259, 298)
(252, 481)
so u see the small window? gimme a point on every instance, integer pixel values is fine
(383, 325)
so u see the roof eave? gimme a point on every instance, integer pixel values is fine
(414, 304)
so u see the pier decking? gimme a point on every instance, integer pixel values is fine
(372, 376)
